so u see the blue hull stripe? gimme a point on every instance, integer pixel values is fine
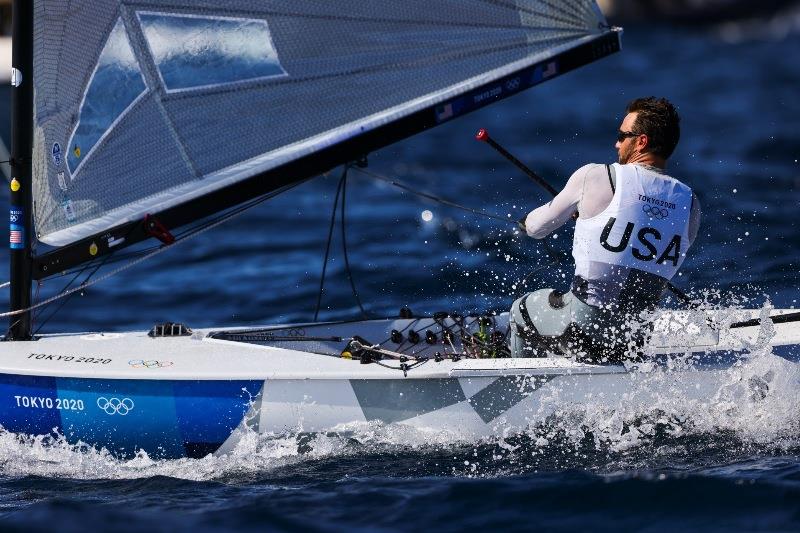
(17, 391)
(167, 419)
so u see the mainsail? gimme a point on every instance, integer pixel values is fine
(141, 107)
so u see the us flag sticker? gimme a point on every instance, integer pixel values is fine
(16, 237)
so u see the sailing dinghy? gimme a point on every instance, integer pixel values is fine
(120, 107)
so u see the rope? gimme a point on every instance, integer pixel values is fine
(67, 298)
(202, 228)
(556, 255)
(57, 309)
(328, 244)
(344, 248)
(185, 237)
(437, 199)
(87, 284)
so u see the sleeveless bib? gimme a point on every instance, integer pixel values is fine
(644, 230)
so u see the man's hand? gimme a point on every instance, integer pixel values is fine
(521, 222)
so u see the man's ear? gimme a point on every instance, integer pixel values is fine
(642, 142)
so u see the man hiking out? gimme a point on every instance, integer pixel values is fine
(634, 228)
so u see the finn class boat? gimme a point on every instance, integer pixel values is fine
(295, 89)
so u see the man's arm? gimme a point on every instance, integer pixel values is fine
(543, 220)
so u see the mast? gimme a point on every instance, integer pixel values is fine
(20, 204)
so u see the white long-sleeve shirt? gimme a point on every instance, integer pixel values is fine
(589, 192)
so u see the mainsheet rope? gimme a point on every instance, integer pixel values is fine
(433, 198)
(437, 199)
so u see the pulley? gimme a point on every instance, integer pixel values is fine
(396, 337)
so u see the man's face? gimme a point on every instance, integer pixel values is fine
(627, 146)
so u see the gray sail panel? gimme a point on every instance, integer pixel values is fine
(142, 134)
(248, 87)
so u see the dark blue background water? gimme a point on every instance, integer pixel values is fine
(741, 116)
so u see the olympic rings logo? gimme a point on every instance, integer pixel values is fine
(655, 212)
(115, 406)
(295, 332)
(149, 363)
(513, 85)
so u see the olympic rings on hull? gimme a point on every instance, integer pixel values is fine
(149, 363)
(658, 213)
(115, 406)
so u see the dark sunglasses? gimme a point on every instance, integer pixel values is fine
(622, 135)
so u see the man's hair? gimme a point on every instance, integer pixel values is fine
(658, 119)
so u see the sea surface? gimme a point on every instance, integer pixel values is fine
(720, 467)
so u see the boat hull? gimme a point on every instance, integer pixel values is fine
(190, 418)
(189, 396)
(469, 408)
(165, 418)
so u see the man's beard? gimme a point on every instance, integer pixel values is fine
(625, 155)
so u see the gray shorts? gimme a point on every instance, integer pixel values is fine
(547, 322)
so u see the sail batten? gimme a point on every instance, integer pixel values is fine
(249, 88)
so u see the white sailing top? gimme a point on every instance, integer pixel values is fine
(641, 221)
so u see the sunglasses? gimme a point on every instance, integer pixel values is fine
(622, 135)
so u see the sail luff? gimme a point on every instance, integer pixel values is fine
(336, 149)
(20, 205)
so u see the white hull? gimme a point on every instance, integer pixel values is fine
(187, 395)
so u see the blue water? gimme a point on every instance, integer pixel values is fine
(656, 471)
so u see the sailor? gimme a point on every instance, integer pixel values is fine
(634, 226)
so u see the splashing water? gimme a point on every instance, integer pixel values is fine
(665, 413)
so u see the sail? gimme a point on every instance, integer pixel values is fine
(143, 106)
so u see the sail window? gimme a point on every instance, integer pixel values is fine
(114, 86)
(194, 52)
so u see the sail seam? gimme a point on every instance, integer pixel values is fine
(148, 67)
(104, 137)
(88, 86)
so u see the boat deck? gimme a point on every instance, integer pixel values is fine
(312, 351)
